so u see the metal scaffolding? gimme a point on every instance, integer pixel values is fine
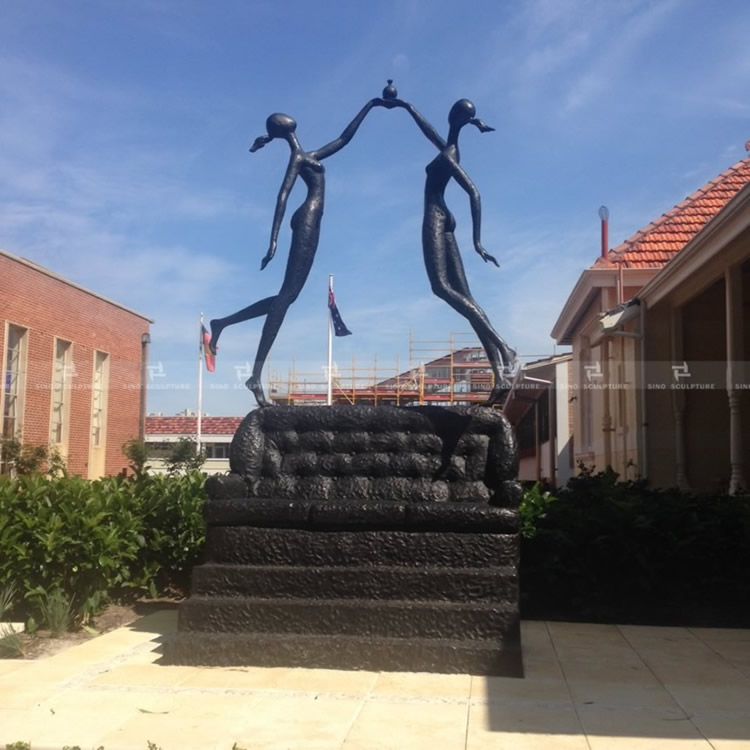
(453, 371)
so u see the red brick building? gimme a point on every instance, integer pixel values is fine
(72, 364)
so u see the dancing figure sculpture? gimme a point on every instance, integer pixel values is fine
(442, 259)
(305, 233)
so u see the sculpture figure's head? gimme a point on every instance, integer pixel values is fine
(462, 113)
(278, 125)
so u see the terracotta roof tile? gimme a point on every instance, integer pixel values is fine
(658, 242)
(189, 425)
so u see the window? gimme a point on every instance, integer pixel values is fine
(14, 386)
(216, 450)
(61, 377)
(99, 399)
(160, 450)
(14, 382)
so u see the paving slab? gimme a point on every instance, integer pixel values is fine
(587, 687)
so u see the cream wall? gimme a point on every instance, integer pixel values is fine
(607, 414)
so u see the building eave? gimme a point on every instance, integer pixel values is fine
(591, 281)
(587, 287)
(722, 229)
(68, 282)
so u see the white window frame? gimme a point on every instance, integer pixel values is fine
(62, 372)
(99, 411)
(20, 382)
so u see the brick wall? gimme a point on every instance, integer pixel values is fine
(49, 307)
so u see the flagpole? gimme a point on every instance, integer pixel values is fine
(329, 400)
(200, 388)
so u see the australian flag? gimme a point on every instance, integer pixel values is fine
(339, 328)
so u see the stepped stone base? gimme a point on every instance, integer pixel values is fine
(376, 581)
(350, 653)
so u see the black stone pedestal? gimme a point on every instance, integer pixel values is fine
(361, 538)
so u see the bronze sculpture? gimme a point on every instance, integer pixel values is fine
(305, 233)
(442, 259)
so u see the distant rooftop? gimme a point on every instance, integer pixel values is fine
(189, 425)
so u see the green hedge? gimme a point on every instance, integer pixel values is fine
(97, 540)
(601, 549)
(598, 549)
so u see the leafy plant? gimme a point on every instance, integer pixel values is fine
(92, 541)
(533, 507)
(185, 457)
(27, 458)
(56, 610)
(136, 451)
(12, 645)
(7, 597)
(609, 549)
(173, 530)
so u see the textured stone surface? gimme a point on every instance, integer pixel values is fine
(347, 515)
(380, 618)
(221, 486)
(358, 582)
(349, 652)
(383, 453)
(363, 538)
(247, 545)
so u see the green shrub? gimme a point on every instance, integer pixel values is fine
(608, 548)
(27, 458)
(136, 451)
(185, 457)
(91, 541)
(171, 509)
(533, 508)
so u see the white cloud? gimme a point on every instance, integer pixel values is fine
(605, 68)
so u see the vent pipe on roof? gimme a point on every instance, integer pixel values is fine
(604, 216)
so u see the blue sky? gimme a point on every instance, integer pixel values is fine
(125, 128)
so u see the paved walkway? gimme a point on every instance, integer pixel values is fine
(587, 686)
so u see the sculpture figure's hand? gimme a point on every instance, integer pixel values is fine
(481, 125)
(485, 256)
(268, 257)
(387, 103)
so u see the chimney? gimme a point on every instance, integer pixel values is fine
(604, 216)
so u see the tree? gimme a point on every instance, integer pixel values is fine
(136, 451)
(27, 458)
(184, 457)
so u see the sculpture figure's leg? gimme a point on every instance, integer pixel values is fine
(458, 282)
(449, 283)
(305, 235)
(252, 311)
(274, 319)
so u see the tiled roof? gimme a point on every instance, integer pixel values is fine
(656, 244)
(189, 425)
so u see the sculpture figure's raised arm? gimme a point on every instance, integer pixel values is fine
(336, 145)
(286, 187)
(424, 125)
(475, 202)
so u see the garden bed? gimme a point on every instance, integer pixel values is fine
(43, 643)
